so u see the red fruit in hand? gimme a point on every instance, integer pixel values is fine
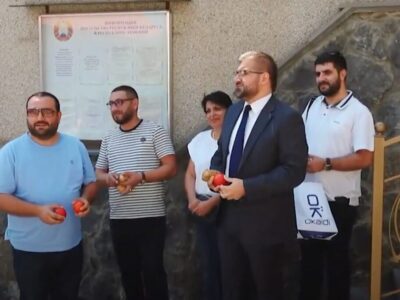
(219, 179)
(76, 205)
(60, 211)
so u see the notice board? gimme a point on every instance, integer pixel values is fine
(84, 56)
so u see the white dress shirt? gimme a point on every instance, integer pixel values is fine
(256, 108)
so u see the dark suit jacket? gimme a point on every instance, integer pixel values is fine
(274, 162)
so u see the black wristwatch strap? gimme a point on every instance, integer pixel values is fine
(328, 164)
(143, 177)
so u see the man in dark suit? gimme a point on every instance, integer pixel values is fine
(257, 215)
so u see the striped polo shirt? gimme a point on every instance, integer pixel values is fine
(137, 150)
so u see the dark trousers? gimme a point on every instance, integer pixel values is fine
(329, 260)
(48, 275)
(209, 259)
(139, 245)
(250, 269)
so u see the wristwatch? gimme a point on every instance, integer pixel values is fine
(328, 164)
(143, 177)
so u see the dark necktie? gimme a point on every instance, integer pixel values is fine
(237, 149)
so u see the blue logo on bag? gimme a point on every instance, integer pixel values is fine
(313, 216)
(316, 209)
(314, 203)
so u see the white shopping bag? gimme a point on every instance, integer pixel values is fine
(313, 215)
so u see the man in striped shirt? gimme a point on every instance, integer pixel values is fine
(142, 153)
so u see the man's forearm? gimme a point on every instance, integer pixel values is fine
(161, 173)
(101, 177)
(90, 191)
(355, 161)
(15, 206)
(166, 170)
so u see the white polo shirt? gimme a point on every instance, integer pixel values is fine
(334, 131)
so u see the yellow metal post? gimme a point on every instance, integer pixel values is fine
(377, 213)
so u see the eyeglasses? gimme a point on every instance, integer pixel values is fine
(245, 72)
(118, 102)
(46, 112)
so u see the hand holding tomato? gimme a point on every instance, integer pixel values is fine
(60, 211)
(121, 186)
(235, 190)
(77, 206)
(128, 181)
(111, 179)
(81, 207)
(219, 179)
(214, 179)
(51, 214)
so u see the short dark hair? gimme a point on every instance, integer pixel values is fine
(44, 94)
(334, 57)
(217, 97)
(267, 64)
(130, 91)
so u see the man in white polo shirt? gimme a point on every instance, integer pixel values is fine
(340, 136)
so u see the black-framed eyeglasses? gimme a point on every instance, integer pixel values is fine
(46, 112)
(244, 72)
(118, 102)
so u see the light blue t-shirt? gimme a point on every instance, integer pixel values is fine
(44, 175)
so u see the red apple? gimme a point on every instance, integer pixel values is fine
(60, 211)
(76, 205)
(219, 179)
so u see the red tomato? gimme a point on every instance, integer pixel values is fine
(60, 211)
(76, 205)
(219, 180)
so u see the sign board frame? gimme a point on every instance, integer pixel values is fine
(84, 56)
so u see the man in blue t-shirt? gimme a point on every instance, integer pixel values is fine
(43, 175)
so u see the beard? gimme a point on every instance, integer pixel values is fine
(123, 118)
(238, 92)
(242, 92)
(332, 88)
(43, 133)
